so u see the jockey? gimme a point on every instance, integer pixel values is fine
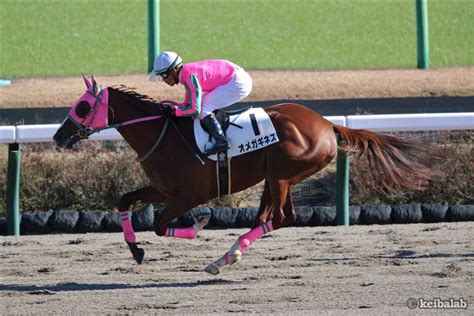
(210, 85)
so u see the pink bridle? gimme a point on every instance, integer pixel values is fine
(97, 119)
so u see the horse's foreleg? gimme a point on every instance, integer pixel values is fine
(178, 206)
(147, 195)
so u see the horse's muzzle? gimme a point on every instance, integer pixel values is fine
(64, 142)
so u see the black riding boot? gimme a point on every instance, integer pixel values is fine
(213, 127)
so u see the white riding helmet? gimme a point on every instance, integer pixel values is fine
(165, 62)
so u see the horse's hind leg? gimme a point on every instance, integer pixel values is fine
(279, 192)
(265, 208)
(288, 212)
(239, 247)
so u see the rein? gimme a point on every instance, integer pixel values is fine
(130, 122)
(85, 130)
(186, 142)
(158, 141)
(134, 121)
(86, 124)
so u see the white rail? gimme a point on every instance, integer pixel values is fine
(379, 123)
(412, 122)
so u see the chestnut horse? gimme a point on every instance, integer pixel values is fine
(307, 144)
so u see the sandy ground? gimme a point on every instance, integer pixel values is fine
(337, 270)
(267, 85)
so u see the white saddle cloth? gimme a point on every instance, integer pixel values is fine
(254, 131)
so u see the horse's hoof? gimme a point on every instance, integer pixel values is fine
(212, 269)
(201, 221)
(138, 255)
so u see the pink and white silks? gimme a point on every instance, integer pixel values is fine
(211, 85)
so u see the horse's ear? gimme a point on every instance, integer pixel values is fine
(87, 82)
(94, 86)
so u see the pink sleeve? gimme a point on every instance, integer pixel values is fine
(192, 100)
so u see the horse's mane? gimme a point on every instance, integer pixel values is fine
(135, 95)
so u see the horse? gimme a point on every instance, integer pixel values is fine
(307, 143)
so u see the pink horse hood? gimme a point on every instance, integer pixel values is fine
(97, 117)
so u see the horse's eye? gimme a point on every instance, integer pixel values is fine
(82, 109)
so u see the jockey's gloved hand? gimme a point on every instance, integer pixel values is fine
(168, 111)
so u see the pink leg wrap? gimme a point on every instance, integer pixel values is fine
(127, 228)
(247, 239)
(188, 233)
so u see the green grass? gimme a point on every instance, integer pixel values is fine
(46, 38)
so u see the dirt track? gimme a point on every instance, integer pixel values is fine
(267, 85)
(359, 269)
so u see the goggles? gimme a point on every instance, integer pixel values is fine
(161, 75)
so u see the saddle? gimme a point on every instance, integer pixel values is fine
(223, 117)
(248, 129)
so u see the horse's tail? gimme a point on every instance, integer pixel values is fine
(394, 161)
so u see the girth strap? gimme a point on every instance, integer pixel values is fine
(223, 174)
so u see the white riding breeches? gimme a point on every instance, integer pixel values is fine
(239, 87)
